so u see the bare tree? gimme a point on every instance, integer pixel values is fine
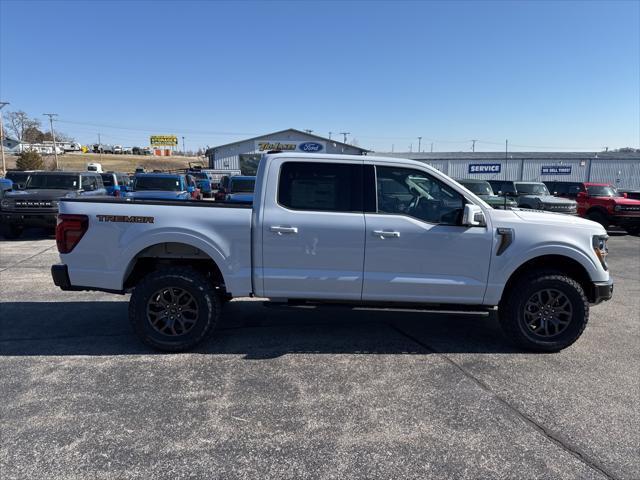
(18, 123)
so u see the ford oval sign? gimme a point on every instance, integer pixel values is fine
(310, 147)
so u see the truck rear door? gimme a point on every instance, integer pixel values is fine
(313, 229)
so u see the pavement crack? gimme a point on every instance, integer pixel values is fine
(25, 259)
(550, 435)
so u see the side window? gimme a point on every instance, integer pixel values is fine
(88, 183)
(417, 194)
(98, 181)
(329, 187)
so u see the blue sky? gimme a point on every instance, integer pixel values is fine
(545, 75)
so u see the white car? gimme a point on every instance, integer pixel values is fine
(357, 230)
(117, 149)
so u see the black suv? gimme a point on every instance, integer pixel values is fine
(37, 204)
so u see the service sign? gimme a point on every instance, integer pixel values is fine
(556, 170)
(289, 146)
(485, 167)
(164, 140)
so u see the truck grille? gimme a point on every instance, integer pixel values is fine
(34, 204)
(630, 208)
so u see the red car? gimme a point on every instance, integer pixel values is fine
(601, 203)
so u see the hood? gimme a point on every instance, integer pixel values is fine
(553, 219)
(497, 199)
(160, 194)
(550, 199)
(624, 201)
(40, 194)
(240, 197)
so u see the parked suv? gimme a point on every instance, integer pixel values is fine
(483, 189)
(116, 183)
(161, 186)
(534, 195)
(602, 203)
(37, 204)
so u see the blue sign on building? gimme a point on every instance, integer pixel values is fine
(485, 168)
(310, 147)
(556, 170)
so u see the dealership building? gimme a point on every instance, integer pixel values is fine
(248, 152)
(621, 169)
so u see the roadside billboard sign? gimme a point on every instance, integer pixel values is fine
(164, 140)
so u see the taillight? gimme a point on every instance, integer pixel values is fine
(69, 231)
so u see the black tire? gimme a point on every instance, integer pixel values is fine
(516, 312)
(150, 306)
(599, 217)
(11, 231)
(633, 229)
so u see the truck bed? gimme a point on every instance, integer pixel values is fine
(122, 230)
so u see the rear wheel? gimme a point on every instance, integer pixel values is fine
(174, 309)
(11, 231)
(545, 312)
(599, 217)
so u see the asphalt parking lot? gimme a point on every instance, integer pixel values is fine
(310, 394)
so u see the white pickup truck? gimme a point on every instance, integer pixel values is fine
(355, 230)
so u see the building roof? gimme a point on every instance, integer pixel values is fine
(295, 130)
(513, 155)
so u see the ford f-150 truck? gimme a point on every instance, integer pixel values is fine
(322, 229)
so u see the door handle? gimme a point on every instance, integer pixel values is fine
(280, 230)
(386, 234)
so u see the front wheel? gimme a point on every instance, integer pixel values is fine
(544, 312)
(633, 229)
(599, 217)
(174, 308)
(11, 231)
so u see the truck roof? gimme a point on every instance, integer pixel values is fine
(337, 157)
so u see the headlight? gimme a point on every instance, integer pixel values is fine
(599, 243)
(5, 203)
(55, 203)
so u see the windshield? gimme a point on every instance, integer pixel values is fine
(17, 177)
(243, 186)
(532, 188)
(602, 191)
(107, 179)
(56, 182)
(479, 188)
(171, 184)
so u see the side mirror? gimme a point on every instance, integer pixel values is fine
(473, 216)
(624, 194)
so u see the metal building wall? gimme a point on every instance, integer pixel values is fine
(621, 173)
(532, 170)
(508, 169)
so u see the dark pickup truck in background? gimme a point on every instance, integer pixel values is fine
(37, 204)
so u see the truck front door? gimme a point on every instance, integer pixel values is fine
(416, 248)
(313, 230)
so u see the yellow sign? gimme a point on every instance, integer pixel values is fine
(265, 146)
(164, 140)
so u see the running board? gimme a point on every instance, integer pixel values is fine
(379, 306)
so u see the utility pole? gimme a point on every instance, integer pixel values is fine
(100, 148)
(506, 149)
(184, 152)
(431, 147)
(344, 135)
(419, 143)
(4, 165)
(473, 145)
(330, 135)
(53, 135)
